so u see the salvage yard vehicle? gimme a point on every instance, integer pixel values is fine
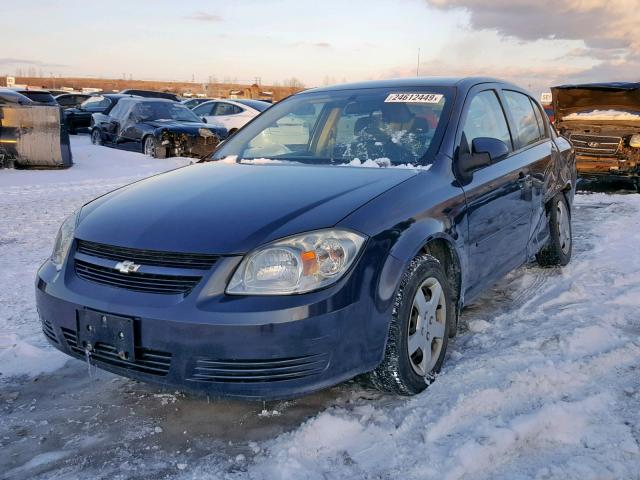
(156, 127)
(71, 100)
(41, 97)
(80, 118)
(274, 270)
(8, 96)
(233, 114)
(602, 120)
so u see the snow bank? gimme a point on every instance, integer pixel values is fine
(18, 357)
(603, 115)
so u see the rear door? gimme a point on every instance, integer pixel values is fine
(538, 149)
(498, 196)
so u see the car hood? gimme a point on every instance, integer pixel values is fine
(230, 208)
(569, 99)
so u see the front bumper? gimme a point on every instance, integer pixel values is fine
(247, 347)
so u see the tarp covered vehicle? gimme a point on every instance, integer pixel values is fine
(602, 120)
(33, 136)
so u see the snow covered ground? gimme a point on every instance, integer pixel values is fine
(543, 380)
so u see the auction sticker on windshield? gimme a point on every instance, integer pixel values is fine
(414, 98)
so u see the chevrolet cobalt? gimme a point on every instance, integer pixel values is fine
(338, 233)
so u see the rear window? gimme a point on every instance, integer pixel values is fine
(255, 104)
(41, 97)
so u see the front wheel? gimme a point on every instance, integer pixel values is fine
(96, 137)
(150, 147)
(558, 251)
(419, 329)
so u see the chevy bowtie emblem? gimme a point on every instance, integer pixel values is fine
(593, 144)
(127, 267)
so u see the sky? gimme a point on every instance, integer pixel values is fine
(536, 43)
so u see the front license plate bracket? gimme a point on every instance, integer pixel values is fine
(96, 328)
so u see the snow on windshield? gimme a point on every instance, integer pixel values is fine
(382, 162)
(603, 115)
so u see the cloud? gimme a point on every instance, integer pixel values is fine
(606, 24)
(608, 30)
(35, 63)
(204, 17)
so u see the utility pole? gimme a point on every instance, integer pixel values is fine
(418, 65)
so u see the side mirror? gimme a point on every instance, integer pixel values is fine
(204, 120)
(484, 152)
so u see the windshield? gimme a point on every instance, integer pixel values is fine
(383, 125)
(146, 111)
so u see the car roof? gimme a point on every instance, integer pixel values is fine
(461, 82)
(9, 93)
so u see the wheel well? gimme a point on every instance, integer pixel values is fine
(445, 253)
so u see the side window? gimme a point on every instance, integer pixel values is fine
(540, 119)
(226, 109)
(485, 118)
(118, 110)
(204, 110)
(524, 117)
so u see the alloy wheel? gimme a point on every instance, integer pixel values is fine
(427, 326)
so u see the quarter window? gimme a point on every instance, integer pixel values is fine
(524, 117)
(485, 118)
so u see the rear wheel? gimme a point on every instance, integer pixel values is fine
(96, 137)
(419, 329)
(558, 250)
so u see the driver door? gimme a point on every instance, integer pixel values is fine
(498, 202)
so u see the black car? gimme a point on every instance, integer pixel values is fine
(80, 118)
(151, 94)
(41, 97)
(157, 127)
(71, 100)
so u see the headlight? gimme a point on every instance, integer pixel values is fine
(297, 264)
(634, 141)
(64, 239)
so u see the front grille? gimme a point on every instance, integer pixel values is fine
(196, 261)
(136, 281)
(152, 362)
(595, 145)
(47, 329)
(254, 371)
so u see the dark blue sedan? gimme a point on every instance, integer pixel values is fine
(339, 233)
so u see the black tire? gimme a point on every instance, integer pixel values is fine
(558, 251)
(396, 373)
(151, 147)
(96, 136)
